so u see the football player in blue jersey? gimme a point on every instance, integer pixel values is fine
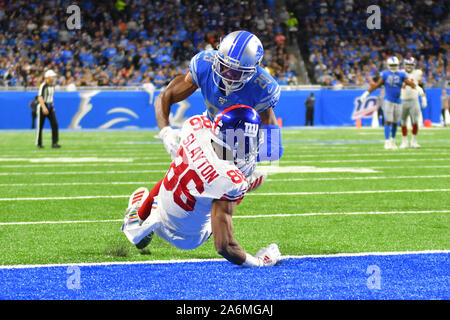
(230, 75)
(393, 80)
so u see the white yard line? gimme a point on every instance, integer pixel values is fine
(279, 215)
(247, 195)
(144, 183)
(112, 263)
(79, 172)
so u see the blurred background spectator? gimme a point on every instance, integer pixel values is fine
(127, 43)
(339, 49)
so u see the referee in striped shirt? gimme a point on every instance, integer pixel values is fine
(46, 109)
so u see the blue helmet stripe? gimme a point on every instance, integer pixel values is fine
(234, 43)
(243, 46)
(239, 43)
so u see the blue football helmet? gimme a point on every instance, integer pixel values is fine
(238, 130)
(236, 59)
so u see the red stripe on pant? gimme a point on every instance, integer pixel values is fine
(145, 209)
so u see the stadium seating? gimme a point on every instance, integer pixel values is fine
(341, 50)
(127, 43)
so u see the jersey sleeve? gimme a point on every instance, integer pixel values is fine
(199, 65)
(235, 191)
(270, 91)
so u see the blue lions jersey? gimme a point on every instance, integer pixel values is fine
(260, 92)
(393, 82)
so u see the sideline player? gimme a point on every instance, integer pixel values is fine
(393, 79)
(410, 103)
(227, 76)
(199, 192)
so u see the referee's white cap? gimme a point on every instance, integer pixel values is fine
(49, 73)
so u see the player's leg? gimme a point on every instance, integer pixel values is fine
(388, 119)
(183, 241)
(404, 122)
(140, 206)
(415, 109)
(397, 116)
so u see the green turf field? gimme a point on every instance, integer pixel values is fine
(341, 193)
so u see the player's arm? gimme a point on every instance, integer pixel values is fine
(372, 88)
(268, 117)
(228, 247)
(179, 89)
(410, 83)
(223, 230)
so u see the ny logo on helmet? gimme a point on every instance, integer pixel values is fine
(251, 129)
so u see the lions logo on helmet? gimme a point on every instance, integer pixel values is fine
(236, 59)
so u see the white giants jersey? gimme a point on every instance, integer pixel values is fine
(409, 93)
(195, 178)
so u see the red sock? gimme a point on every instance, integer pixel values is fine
(404, 131)
(415, 129)
(146, 208)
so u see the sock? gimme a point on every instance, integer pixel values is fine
(146, 208)
(387, 131)
(394, 130)
(415, 129)
(404, 131)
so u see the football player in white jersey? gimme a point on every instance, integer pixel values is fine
(228, 76)
(410, 103)
(200, 191)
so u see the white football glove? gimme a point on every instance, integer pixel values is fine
(169, 137)
(269, 256)
(424, 102)
(364, 96)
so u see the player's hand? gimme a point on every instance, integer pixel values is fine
(44, 111)
(424, 102)
(170, 138)
(269, 256)
(364, 96)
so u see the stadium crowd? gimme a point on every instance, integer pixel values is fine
(127, 43)
(341, 50)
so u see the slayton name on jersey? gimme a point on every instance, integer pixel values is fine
(195, 178)
(261, 92)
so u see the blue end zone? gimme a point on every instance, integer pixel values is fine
(410, 276)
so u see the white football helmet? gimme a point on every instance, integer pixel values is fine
(236, 59)
(409, 64)
(393, 63)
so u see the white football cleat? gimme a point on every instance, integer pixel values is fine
(414, 144)
(404, 145)
(134, 203)
(393, 145)
(387, 145)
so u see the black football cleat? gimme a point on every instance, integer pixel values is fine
(145, 241)
(55, 145)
